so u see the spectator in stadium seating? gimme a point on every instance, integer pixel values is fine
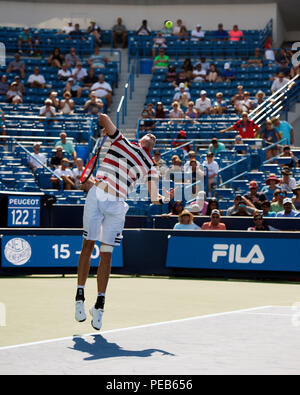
(90, 79)
(187, 67)
(67, 146)
(171, 74)
(197, 34)
(148, 114)
(259, 224)
(191, 157)
(296, 198)
(13, 95)
(279, 82)
(266, 209)
(97, 60)
(239, 141)
(17, 65)
(288, 210)
(54, 100)
(67, 29)
(199, 74)
(183, 34)
(74, 88)
(144, 29)
(295, 70)
(186, 221)
(220, 34)
(270, 137)
(212, 204)
(285, 130)
(176, 112)
(238, 98)
(48, 111)
(271, 186)
(36, 44)
(241, 207)
(161, 60)
(191, 113)
(95, 31)
(256, 60)
(176, 208)
(219, 106)
(56, 159)
(31, 160)
(227, 75)
(287, 153)
(277, 201)
(119, 32)
(200, 203)
(64, 73)
(175, 169)
(203, 104)
(159, 41)
(65, 173)
(103, 90)
(160, 112)
(287, 183)
(180, 140)
(255, 197)
(20, 85)
(2, 122)
(3, 85)
(283, 68)
(215, 222)
(56, 59)
(77, 171)
(166, 31)
(204, 63)
(194, 209)
(182, 95)
(216, 146)
(67, 104)
(36, 80)
(246, 104)
(177, 27)
(181, 78)
(77, 33)
(283, 55)
(246, 127)
(259, 99)
(236, 35)
(94, 105)
(25, 37)
(213, 75)
(79, 73)
(269, 52)
(197, 176)
(212, 170)
(71, 58)
(160, 163)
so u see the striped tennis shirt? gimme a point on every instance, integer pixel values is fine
(125, 165)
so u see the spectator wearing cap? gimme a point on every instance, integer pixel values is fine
(14, 95)
(285, 130)
(67, 29)
(198, 74)
(288, 210)
(255, 197)
(200, 202)
(182, 96)
(216, 146)
(20, 85)
(94, 105)
(48, 111)
(66, 174)
(266, 209)
(17, 65)
(270, 137)
(236, 35)
(54, 100)
(259, 224)
(287, 183)
(32, 162)
(227, 74)
(296, 198)
(186, 221)
(194, 209)
(220, 34)
(219, 106)
(241, 207)
(197, 34)
(246, 127)
(211, 170)
(215, 222)
(73, 88)
(67, 145)
(259, 99)
(246, 104)
(239, 141)
(279, 82)
(203, 104)
(36, 80)
(67, 104)
(271, 185)
(180, 140)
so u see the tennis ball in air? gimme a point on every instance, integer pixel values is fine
(169, 24)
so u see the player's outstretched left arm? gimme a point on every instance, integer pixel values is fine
(157, 198)
(107, 124)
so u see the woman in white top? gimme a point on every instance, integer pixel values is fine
(176, 112)
(67, 104)
(212, 170)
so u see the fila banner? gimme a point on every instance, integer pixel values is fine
(233, 254)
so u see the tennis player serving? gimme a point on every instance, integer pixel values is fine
(124, 165)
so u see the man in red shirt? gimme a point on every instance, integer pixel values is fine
(215, 222)
(246, 128)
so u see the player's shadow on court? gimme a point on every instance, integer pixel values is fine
(101, 349)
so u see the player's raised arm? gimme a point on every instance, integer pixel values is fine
(107, 124)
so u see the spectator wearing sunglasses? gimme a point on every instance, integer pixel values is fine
(215, 222)
(277, 203)
(259, 224)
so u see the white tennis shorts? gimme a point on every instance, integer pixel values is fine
(104, 217)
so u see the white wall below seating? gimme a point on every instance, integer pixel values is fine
(47, 15)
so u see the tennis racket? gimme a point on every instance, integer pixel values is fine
(90, 167)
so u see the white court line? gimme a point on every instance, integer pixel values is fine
(134, 327)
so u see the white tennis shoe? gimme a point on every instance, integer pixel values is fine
(80, 315)
(97, 318)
